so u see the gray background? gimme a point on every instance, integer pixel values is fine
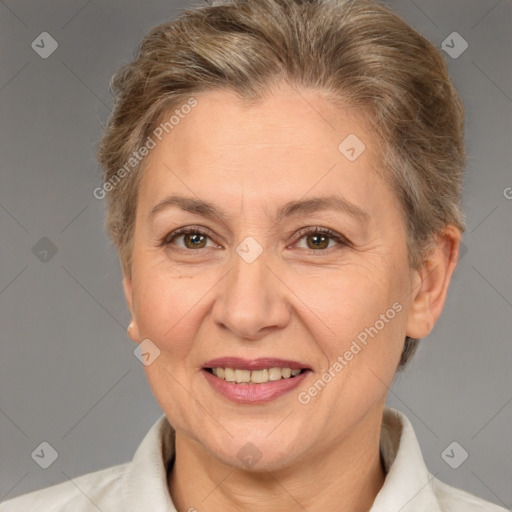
(68, 375)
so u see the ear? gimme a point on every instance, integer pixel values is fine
(133, 330)
(431, 283)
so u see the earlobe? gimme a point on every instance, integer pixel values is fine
(431, 283)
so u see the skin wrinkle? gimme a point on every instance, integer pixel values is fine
(287, 304)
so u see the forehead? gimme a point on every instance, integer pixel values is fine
(278, 148)
(290, 121)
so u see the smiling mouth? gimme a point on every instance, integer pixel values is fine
(248, 377)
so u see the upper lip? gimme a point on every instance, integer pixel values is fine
(255, 364)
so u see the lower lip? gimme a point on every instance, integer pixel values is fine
(254, 393)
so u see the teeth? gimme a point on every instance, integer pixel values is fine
(229, 374)
(242, 376)
(274, 373)
(259, 376)
(255, 376)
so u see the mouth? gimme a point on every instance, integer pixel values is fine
(254, 381)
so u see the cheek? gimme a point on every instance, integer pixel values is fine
(165, 306)
(173, 310)
(351, 300)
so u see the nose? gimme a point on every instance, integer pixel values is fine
(252, 300)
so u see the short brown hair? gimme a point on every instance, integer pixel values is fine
(359, 52)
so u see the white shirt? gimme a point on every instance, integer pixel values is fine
(141, 485)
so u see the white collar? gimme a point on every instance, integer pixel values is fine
(408, 484)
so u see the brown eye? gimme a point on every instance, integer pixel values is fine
(193, 238)
(318, 239)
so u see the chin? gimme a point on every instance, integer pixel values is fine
(256, 455)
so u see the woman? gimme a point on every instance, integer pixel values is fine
(283, 181)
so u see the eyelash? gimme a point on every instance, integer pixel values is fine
(341, 240)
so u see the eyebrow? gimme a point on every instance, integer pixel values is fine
(292, 208)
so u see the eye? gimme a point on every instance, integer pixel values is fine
(193, 238)
(318, 239)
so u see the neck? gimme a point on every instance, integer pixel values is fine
(347, 476)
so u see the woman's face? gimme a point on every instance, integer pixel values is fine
(256, 288)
